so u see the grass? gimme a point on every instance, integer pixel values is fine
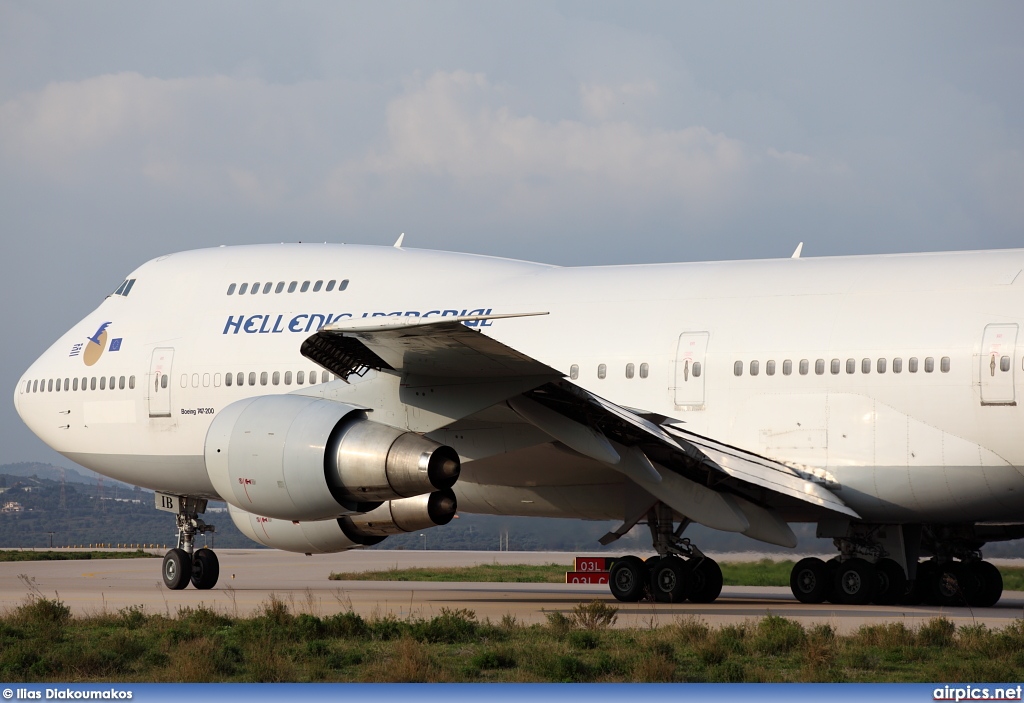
(42, 641)
(28, 555)
(765, 572)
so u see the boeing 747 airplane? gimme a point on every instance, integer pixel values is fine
(333, 395)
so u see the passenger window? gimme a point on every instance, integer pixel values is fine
(696, 369)
(184, 380)
(206, 380)
(912, 365)
(805, 366)
(74, 383)
(602, 370)
(644, 369)
(755, 367)
(244, 287)
(629, 370)
(195, 380)
(343, 285)
(880, 366)
(280, 287)
(120, 383)
(574, 372)
(304, 287)
(836, 366)
(252, 378)
(103, 383)
(287, 378)
(216, 380)
(737, 368)
(317, 286)
(228, 378)
(787, 367)
(944, 365)
(851, 366)
(35, 386)
(231, 289)
(255, 288)
(163, 381)
(865, 365)
(92, 383)
(1004, 363)
(312, 378)
(291, 286)
(263, 378)
(330, 286)
(112, 380)
(58, 384)
(929, 363)
(819, 366)
(276, 380)
(85, 382)
(299, 377)
(897, 365)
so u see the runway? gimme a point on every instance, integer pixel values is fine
(250, 576)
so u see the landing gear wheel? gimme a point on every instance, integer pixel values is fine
(809, 580)
(205, 569)
(855, 582)
(627, 579)
(177, 569)
(943, 588)
(987, 584)
(706, 578)
(670, 580)
(892, 582)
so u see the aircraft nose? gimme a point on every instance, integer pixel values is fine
(18, 391)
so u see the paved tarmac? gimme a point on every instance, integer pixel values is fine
(249, 577)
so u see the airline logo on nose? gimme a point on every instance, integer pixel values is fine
(92, 349)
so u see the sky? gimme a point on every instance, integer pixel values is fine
(573, 133)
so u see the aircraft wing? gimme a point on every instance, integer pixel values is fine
(750, 490)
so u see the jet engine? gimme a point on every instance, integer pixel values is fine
(350, 532)
(294, 457)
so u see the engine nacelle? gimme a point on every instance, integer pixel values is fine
(398, 516)
(295, 457)
(319, 537)
(350, 532)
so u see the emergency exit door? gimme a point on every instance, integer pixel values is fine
(688, 388)
(998, 364)
(159, 385)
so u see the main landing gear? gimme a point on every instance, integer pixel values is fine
(680, 571)
(867, 570)
(184, 563)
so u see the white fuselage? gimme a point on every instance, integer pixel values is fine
(937, 443)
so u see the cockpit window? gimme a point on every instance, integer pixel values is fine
(125, 288)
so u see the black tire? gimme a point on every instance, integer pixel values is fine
(810, 580)
(917, 590)
(892, 582)
(670, 580)
(205, 569)
(943, 587)
(706, 579)
(832, 564)
(986, 584)
(177, 569)
(855, 582)
(627, 580)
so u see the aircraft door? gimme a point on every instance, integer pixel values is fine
(998, 361)
(688, 384)
(159, 392)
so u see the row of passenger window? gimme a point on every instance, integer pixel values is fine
(280, 287)
(88, 383)
(836, 366)
(602, 370)
(263, 378)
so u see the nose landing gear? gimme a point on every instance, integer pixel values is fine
(184, 564)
